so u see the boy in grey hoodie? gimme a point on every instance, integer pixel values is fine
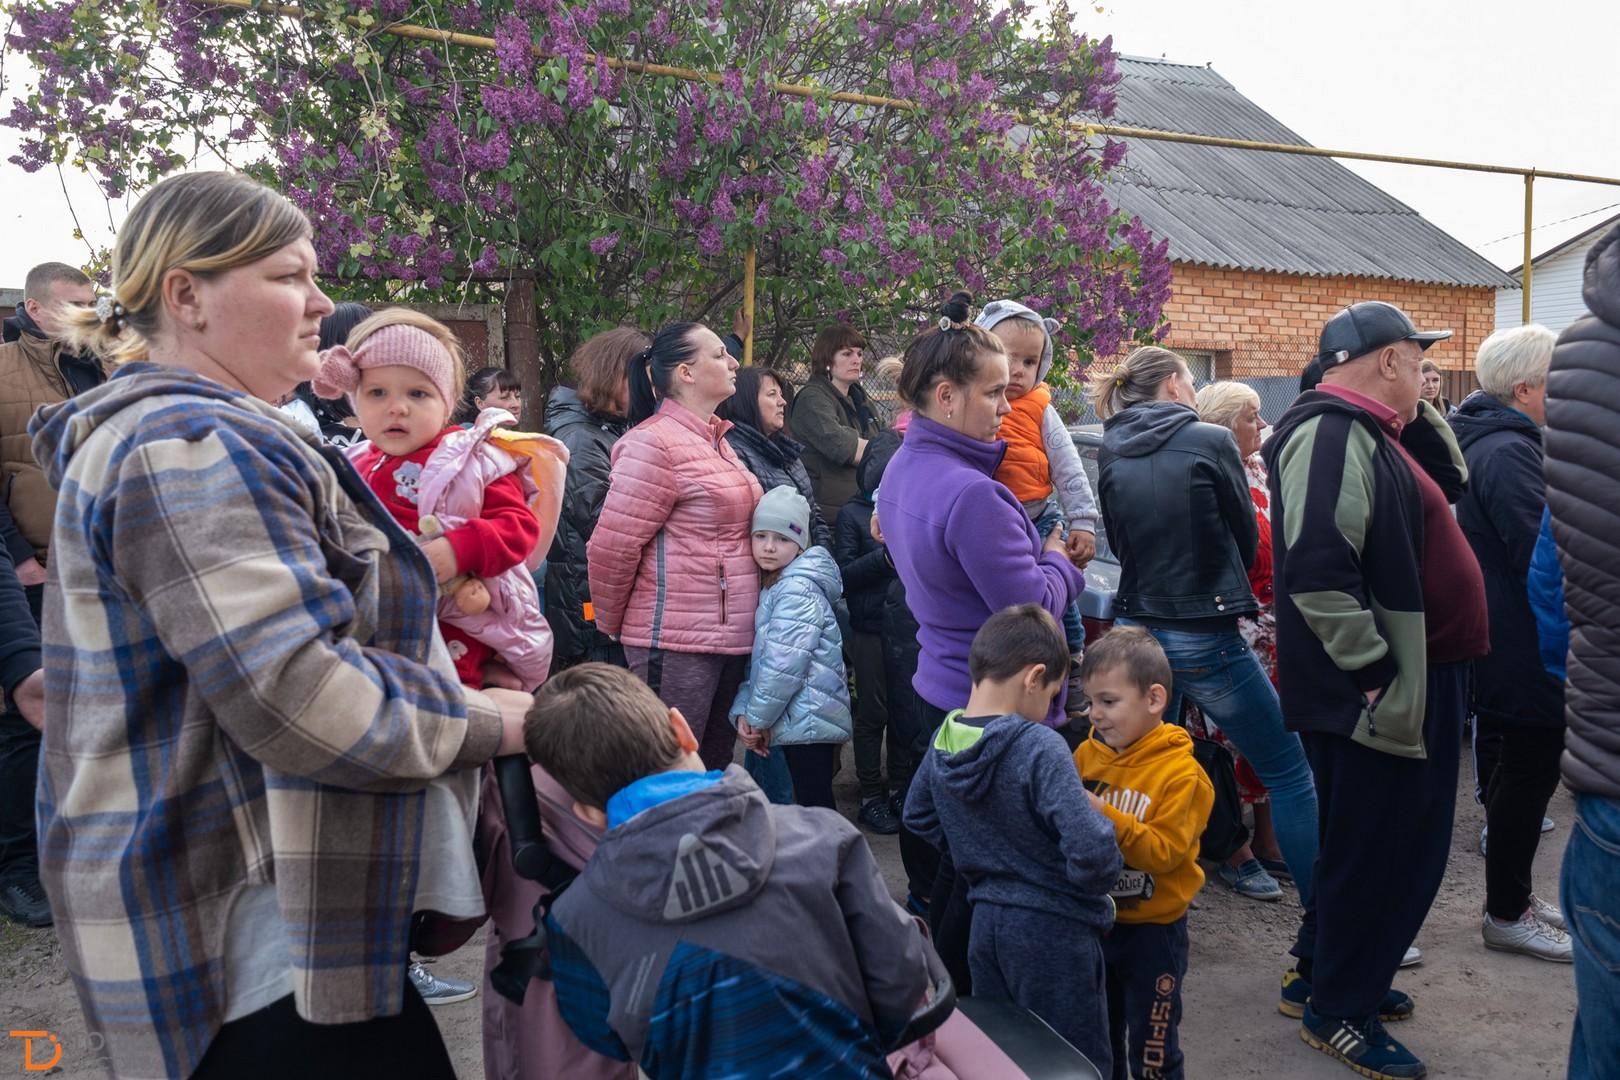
(711, 933)
(1000, 791)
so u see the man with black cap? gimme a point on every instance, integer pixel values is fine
(1380, 613)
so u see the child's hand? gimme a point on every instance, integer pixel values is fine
(877, 532)
(443, 558)
(1082, 547)
(1096, 803)
(497, 674)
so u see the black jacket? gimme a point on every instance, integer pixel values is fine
(1175, 502)
(1347, 532)
(19, 634)
(589, 437)
(1583, 490)
(775, 461)
(1501, 516)
(866, 566)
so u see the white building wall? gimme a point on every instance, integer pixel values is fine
(1555, 291)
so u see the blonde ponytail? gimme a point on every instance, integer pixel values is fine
(1136, 379)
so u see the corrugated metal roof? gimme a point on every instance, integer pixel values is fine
(1252, 210)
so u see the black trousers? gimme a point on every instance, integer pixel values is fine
(1146, 964)
(871, 715)
(1516, 797)
(950, 923)
(275, 1043)
(921, 860)
(812, 768)
(1385, 826)
(19, 775)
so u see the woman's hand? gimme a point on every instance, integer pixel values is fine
(1054, 541)
(29, 698)
(497, 674)
(1082, 547)
(443, 558)
(514, 707)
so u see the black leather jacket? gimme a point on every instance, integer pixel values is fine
(589, 438)
(1175, 502)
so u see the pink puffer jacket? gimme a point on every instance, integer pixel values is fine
(670, 562)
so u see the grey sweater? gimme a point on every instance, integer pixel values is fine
(1004, 796)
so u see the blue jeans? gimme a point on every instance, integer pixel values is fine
(1590, 882)
(1222, 676)
(771, 774)
(1074, 631)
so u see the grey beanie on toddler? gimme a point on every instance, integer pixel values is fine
(782, 510)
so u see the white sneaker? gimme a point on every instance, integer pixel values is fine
(1547, 913)
(437, 990)
(1413, 957)
(1530, 936)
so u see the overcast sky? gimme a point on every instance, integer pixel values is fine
(1527, 82)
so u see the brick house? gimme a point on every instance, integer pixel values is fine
(1266, 247)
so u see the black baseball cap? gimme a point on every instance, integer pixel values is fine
(1366, 327)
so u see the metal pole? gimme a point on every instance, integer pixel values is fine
(1529, 201)
(750, 261)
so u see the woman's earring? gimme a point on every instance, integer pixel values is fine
(199, 324)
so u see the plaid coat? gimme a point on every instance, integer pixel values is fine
(242, 687)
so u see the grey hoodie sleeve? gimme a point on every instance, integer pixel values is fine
(1086, 837)
(893, 955)
(1068, 473)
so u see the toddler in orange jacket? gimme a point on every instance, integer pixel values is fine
(1141, 774)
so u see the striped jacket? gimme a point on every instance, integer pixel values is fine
(243, 687)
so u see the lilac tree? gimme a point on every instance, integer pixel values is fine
(630, 195)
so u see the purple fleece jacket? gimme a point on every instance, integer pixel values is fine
(965, 549)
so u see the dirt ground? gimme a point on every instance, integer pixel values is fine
(1480, 1015)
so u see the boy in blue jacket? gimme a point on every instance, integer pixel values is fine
(713, 934)
(1000, 791)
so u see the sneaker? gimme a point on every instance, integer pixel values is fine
(1530, 936)
(1547, 913)
(1363, 1045)
(1482, 831)
(25, 902)
(916, 905)
(1412, 957)
(1296, 994)
(1277, 868)
(1077, 705)
(1251, 880)
(878, 816)
(435, 989)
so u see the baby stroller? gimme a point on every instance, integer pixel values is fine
(946, 1039)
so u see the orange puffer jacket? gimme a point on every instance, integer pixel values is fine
(670, 564)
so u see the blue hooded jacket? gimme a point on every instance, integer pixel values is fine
(796, 687)
(1546, 586)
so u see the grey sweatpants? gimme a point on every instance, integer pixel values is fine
(1048, 964)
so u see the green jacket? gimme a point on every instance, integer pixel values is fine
(831, 425)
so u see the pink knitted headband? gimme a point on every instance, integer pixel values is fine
(392, 346)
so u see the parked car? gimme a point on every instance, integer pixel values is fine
(1102, 573)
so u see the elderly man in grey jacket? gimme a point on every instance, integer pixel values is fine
(1583, 492)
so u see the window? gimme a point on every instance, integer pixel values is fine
(1202, 363)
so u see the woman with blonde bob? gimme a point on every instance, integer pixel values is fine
(249, 717)
(1176, 506)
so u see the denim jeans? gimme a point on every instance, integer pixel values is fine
(1590, 883)
(1223, 677)
(1074, 631)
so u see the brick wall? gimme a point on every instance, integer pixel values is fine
(1261, 324)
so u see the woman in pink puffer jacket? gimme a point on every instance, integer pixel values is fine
(672, 575)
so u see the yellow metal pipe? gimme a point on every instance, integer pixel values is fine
(750, 261)
(1529, 200)
(475, 41)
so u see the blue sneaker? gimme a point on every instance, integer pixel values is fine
(1363, 1045)
(1296, 995)
(1251, 880)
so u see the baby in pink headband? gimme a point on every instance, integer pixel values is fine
(472, 504)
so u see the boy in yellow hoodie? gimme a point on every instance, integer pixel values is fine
(1140, 773)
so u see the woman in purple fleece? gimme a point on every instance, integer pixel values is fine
(964, 549)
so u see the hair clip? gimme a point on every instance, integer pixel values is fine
(945, 324)
(108, 309)
(1119, 382)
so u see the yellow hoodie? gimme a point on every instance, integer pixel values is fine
(1158, 799)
